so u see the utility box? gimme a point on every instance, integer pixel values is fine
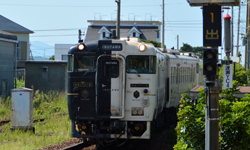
(22, 108)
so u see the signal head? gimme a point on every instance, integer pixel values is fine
(210, 59)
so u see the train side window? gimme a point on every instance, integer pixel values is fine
(70, 63)
(197, 67)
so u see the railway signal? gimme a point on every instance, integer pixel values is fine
(210, 59)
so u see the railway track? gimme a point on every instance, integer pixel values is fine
(77, 146)
(4, 121)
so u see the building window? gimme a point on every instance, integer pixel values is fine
(65, 57)
(134, 34)
(103, 34)
(4, 88)
(157, 34)
(45, 68)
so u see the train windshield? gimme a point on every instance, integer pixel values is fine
(141, 64)
(84, 63)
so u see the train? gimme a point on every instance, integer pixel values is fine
(124, 89)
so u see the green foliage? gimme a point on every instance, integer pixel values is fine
(20, 82)
(190, 128)
(235, 120)
(52, 57)
(5, 107)
(234, 123)
(47, 103)
(155, 43)
(188, 48)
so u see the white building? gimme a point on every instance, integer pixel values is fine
(61, 51)
(147, 30)
(102, 29)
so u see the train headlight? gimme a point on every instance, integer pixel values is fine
(81, 47)
(142, 47)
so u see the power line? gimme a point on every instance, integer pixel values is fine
(54, 35)
(26, 5)
(67, 29)
(42, 49)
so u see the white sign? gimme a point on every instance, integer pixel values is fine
(227, 76)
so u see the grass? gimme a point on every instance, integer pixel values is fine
(56, 128)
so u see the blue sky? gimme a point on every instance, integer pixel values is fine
(58, 21)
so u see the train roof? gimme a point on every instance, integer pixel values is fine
(91, 46)
(181, 57)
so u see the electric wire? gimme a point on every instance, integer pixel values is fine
(82, 6)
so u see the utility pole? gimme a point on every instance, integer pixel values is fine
(163, 28)
(238, 30)
(118, 18)
(177, 42)
(248, 43)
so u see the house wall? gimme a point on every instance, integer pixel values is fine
(6, 66)
(46, 75)
(24, 37)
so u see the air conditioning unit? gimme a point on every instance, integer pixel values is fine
(217, 2)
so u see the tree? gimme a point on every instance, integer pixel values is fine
(186, 48)
(52, 57)
(196, 50)
(155, 43)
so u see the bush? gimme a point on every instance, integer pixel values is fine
(191, 128)
(234, 123)
(20, 83)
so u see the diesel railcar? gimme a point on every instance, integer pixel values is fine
(120, 89)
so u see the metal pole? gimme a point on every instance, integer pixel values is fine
(214, 119)
(118, 19)
(238, 30)
(163, 27)
(232, 32)
(15, 64)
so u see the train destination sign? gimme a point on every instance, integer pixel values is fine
(114, 47)
(211, 25)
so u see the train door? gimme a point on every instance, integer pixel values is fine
(110, 81)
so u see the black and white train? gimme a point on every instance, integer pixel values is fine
(120, 89)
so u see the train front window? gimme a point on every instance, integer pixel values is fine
(141, 64)
(84, 63)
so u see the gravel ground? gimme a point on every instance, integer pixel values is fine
(159, 142)
(61, 145)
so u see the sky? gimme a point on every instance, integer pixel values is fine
(58, 21)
